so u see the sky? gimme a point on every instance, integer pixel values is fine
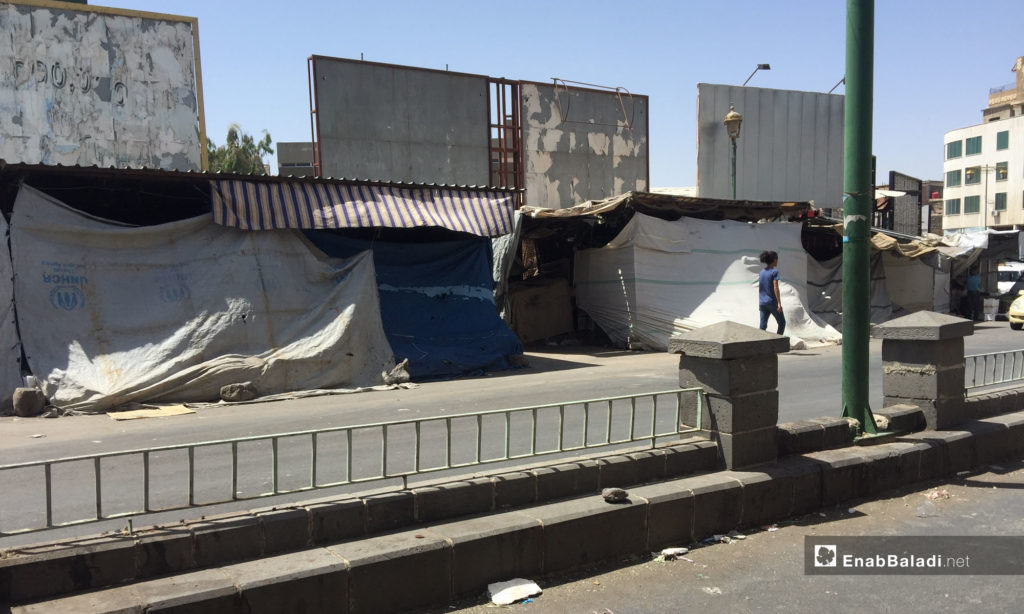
(935, 60)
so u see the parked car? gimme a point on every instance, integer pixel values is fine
(1016, 312)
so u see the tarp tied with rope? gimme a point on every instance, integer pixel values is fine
(254, 205)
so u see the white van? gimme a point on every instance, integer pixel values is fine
(1009, 273)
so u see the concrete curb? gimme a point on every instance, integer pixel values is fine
(37, 572)
(443, 561)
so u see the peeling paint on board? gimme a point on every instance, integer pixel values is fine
(582, 144)
(87, 88)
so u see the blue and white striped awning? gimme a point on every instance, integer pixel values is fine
(257, 205)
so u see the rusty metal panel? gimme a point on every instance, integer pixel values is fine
(94, 86)
(582, 144)
(399, 123)
(790, 146)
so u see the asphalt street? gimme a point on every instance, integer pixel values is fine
(765, 571)
(809, 386)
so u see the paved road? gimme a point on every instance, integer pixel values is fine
(809, 387)
(765, 572)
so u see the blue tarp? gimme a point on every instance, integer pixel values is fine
(436, 302)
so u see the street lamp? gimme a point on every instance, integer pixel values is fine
(759, 67)
(732, 122)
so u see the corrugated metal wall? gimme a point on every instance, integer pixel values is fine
(790, 145)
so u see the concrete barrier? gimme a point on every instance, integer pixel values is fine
(437, 562)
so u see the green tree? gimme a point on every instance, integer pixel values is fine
(240, 154)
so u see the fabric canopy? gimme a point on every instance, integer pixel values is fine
(437, 304)
(111, 314)
(658, 278)
(252, 205)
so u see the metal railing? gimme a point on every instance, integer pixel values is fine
(983, 370)
(213, 472)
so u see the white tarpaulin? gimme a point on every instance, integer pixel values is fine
(10, 349)
(112, 314)
(825, 290)
(659, 278)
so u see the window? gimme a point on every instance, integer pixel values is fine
(1000, 201)
(1002, 171)
(972, 204)
(972, 175)
(973, 145)
(952, 206)
(1003, 139)
(952, 179)
(954, 149)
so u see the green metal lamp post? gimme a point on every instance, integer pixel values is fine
(732, 122)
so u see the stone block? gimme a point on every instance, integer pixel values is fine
(514, 489)
(312, 581)
(209, 591)
(729, 377)
(694, 456)
(923, 382)
(389, 511)
(747, 448)
(284, 530)
(716, 503)
(226, 538)
(938, 414)
(923, 326)
(163, 551)
(744, 412)
(883, 467)
(844, 475)
(727, 340)
(66, 567)
(805, 476)
(453, 499)
(492, 549)
(902, 418)
(334, 521)
(669, 514)
(121, 600)
(764, 497)
(837, 432)
(618, 472)
(566, 480)
(954, 451)
(1014, 424)
(28, 402)
(588, 530)
(397, 572)
(800, 436)
(945, 353)
(689, 405)
(991, 440)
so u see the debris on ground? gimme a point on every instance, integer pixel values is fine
(239, 391)
(938, 494)
(512, 591)
(672, 554)
(712, 590)
(37, 436)
(881, 422)
(736, 535)
(771, 527)
(615, 495)
(398, 375)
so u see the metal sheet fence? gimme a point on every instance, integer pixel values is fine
(82, 489)
(983, 370)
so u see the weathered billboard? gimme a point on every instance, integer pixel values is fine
(790, 146)
(582, 144)
(398, 123)
(99, 86)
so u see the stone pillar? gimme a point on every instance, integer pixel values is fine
(738, 368)
(923, 364)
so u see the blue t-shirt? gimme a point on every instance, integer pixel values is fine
(766, 286)
(974, 283)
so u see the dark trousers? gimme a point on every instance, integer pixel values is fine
(780, 319)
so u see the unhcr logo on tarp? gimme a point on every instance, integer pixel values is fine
(68, 298)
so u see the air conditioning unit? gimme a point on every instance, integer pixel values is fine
(995, 215)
